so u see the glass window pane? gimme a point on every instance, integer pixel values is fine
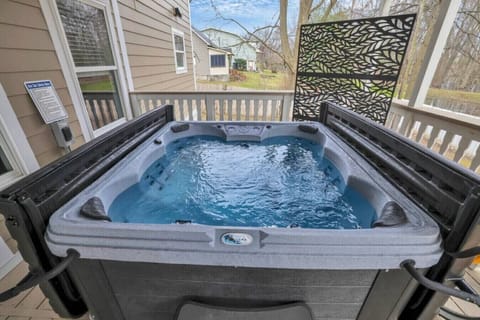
(5, 165)
(178, 43)
(86, 32)
(217, 60)
(180, 62)
(101, 96)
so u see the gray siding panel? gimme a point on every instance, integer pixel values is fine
(154, 291)
(202, 66)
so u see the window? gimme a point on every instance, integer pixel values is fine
(217, 60)
(90, 45)
(16, 155)
(179, 50)
(9, 170)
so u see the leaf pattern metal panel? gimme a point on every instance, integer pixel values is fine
(352, 63)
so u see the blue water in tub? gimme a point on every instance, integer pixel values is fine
(280, 182)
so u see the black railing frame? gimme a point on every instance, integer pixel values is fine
(447, 192)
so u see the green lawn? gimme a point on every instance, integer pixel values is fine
(462, 96)
(105, 85)
(265, 80)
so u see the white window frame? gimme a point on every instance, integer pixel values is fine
(14, 144)
(178, 69)
(55, 26)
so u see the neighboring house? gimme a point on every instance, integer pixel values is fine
(241, 48)
(210, 61)
(90, 50)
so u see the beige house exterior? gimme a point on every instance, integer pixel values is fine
(89, 49)
(210, 61)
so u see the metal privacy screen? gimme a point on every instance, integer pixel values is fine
(354, 64)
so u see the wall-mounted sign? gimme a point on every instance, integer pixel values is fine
(46, 100)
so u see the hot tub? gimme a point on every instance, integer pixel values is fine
(132, 270)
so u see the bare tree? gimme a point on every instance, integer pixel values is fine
(459, 67)
(287, 50)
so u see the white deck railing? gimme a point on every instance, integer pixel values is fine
(455, 136)
(101, 108)
(219, 105)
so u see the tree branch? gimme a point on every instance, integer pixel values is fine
(329, 9)
(471, 15)
(317, 6)
(279, 54)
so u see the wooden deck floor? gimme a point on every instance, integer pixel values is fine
(30, 304)
(472, 276)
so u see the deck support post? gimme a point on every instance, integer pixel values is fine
(441, 30)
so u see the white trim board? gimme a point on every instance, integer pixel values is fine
(123, 47)
(15, 136)
(191, 43)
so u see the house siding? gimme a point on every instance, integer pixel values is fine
(202, 64)
(240, 49)
(147, 26)
(27, 54)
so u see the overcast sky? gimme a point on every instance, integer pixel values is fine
(252, 14)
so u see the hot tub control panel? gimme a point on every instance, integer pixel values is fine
(244, 132)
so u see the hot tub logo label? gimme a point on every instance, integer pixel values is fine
(236, 239)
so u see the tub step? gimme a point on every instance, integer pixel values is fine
(199, 311)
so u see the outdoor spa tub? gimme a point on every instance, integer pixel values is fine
(151, 235)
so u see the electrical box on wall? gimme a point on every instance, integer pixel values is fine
(63, 133)
(51, 109)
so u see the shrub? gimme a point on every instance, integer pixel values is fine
(236, 75)
(240, 64)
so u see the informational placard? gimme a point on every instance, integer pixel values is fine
(46, 100)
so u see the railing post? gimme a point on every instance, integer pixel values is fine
(286, 107)
(407, 124)
(135, 106)
(210, 105)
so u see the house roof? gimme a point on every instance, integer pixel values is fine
(209, 42)
(203, 37)
(233, 34)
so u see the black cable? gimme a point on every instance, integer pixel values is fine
(468, 253)
(31, 279)
(452, 315)
(409, 266)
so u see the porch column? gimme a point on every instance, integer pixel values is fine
(441, 30)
